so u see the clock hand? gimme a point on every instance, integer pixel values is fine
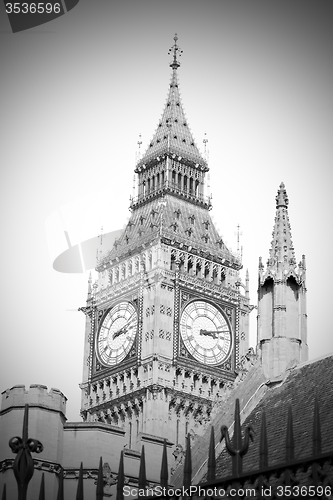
(125, 328)
(212, 333)
(120, 332)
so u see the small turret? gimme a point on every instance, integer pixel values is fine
(47, 409)
(282, 330)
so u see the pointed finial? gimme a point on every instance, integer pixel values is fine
(142, 471)
(60, 495)
(238, 234)
(121, 478)
(23, 465)
(138, 151)
(175, 48)
(100, 482)
(211, 457)
(101, 236)
(281, 197)
(79, 491)
(236, 448)
(205, 140)
(42, 488)
(164, 467)
(187, 464)
(139, 146)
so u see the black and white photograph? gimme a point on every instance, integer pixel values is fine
(166, 240)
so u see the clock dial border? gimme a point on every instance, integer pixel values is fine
(116, 334)
(206, 332)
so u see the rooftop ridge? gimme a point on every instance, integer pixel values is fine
(313, 361)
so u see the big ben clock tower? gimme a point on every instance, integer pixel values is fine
(167, 319)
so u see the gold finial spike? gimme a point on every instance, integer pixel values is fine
(206, 152)
(238, 234)
(138, 153)
(205, 140)
(175, 48)
(101, 236)
(139, 142)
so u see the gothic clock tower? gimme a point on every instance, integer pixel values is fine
(167, 319)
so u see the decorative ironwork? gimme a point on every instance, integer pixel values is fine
(313, 474)
(23, 465)
(237, 449)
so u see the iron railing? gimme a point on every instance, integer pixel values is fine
(310, 477)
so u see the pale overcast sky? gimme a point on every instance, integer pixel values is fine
(257, 76)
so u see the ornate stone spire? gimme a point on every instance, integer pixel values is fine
(282, 254)
(173, 136)
(282, 317)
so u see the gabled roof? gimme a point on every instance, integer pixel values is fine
(173, 135)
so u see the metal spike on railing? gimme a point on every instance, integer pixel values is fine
(23, 465)
(100, 482)
(4, 497)
(121, 478)
(290, 445)
(188, 464)
(164, 467)
(263, 450)
(79, 492)
(237, 449)
(60, 495)
(211, 457)
(42, 489)
(142, 471)
(316, 437)
(237, 437)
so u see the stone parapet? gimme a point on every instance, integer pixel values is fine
(37, 396)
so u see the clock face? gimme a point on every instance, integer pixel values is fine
(206, 333)
(117, 333)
